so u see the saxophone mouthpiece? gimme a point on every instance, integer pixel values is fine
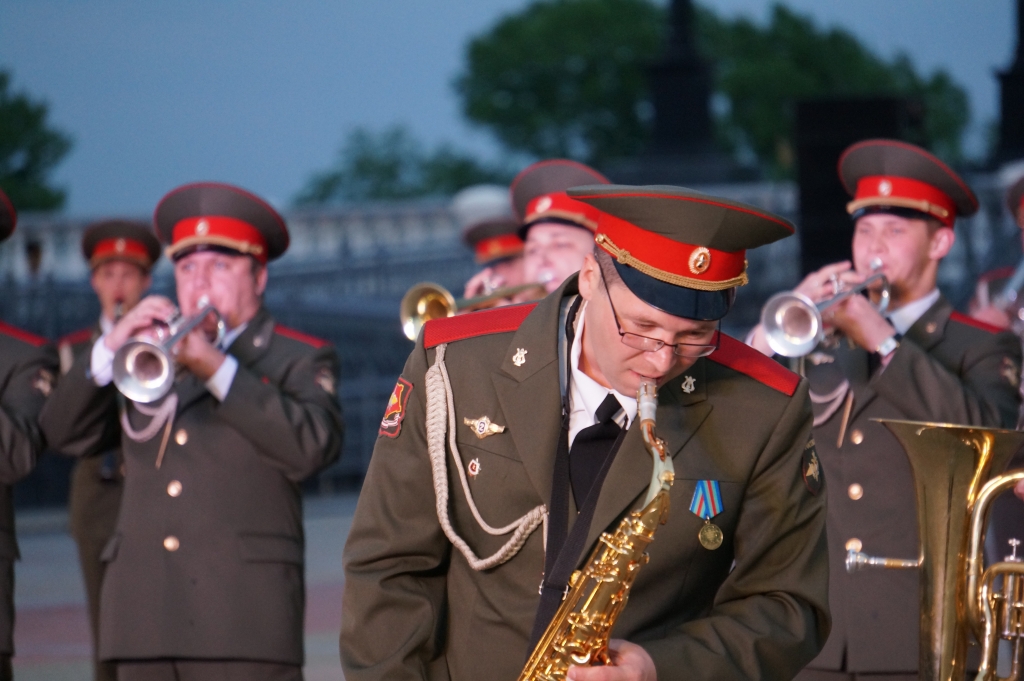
(647, 400)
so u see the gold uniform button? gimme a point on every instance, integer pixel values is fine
(171, 543)
(856, 437)
(181, 437)
(174, 488)
(855, 491)
(854, 545)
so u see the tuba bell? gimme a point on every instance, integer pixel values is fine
(956, 476)
(792, 321)
(144, 367)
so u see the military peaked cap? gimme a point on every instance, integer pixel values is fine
(215, 216)
(127, 240)
(8, 216)
(679, 250)
(892, 176)
(538, 194)
(489, 225)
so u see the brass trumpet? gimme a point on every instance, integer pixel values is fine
(427, 300)
(956, 477)
(792, 321)
(144, 367)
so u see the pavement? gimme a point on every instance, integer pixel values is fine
(51, 633)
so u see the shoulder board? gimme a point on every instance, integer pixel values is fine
(299, 336)
(971, 321)
(24, 336)
(75, 337)
(1000, 273)
(741, 357)
(485, 322)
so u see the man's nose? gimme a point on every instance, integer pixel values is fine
(663, 359)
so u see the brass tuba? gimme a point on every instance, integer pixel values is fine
(956, 476)
(579, 632)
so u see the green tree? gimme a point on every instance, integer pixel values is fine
(565, 77)
(763, 71)
(392, 165)
(29, 151)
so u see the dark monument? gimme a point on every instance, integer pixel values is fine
(824, 128)
(1011, 86)
(682, 148)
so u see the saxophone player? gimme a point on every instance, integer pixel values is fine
(511, 442)
(922, 362)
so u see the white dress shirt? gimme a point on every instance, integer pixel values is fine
(905, 317)
(102, 360)
(586, 394)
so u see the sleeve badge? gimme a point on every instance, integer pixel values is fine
(325, 379)
(43, 382)
(394, 414)
(811, 469)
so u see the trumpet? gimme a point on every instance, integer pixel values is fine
(427, 300)
(792, 321)
(144, 367)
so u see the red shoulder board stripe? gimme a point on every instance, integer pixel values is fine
(971, 321)
(24, 336)
(460, 327)
(746, 360)
(299, 336)
(80, 336)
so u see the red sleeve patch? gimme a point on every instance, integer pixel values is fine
(976, 323)
(23, 336)
(394, 413)
(741, 357)
(299, 336)
(472, 324)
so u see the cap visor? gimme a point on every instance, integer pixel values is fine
(678, 301)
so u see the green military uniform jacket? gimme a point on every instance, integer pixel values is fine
(28, 370)
(947, 369)
(756, 608)
(207, 560)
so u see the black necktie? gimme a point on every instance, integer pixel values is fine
(591, 447)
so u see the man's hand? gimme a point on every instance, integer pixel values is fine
(483, 283)
(196, 353)
(1019, 490)
(150, 310)
(630, 662)
(858, 319)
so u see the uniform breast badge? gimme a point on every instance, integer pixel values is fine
(473, 468)
(483, 427)
(706, 504)
(519, 359)
(689, 383)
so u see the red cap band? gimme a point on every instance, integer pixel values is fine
(502, 246)
(218, 230)
(558, 205)
(120, 249)
(903, 192)
(696, 267)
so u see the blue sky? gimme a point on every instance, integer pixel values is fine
(261, 92)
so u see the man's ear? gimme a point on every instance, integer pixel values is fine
(941, 243)
(261, 280)
(590, 277)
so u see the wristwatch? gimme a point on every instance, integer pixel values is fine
(887, 346)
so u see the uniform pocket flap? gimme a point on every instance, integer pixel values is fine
(110, 548)
(269, 548)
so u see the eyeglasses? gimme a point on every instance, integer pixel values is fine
(647, 344)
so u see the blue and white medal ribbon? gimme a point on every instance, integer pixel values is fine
(706, 504)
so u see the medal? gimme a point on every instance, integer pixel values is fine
(706, 504)
(710, 536)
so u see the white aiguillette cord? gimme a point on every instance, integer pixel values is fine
(161, 417)
(440, 420)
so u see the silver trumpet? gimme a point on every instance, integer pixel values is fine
(144, 367)
(792, 321)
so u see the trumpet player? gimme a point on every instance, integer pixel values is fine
(28, 368)
(558, 231)
(204, 574)
(121, 255)
(490, 228)
(920, 361)
(510, 443)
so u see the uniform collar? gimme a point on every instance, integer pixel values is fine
(586, 394)
(905, 317)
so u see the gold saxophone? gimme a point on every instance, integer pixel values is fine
(579, 632)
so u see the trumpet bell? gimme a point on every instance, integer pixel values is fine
(792, 324)
(143, 371)
(421, 303)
